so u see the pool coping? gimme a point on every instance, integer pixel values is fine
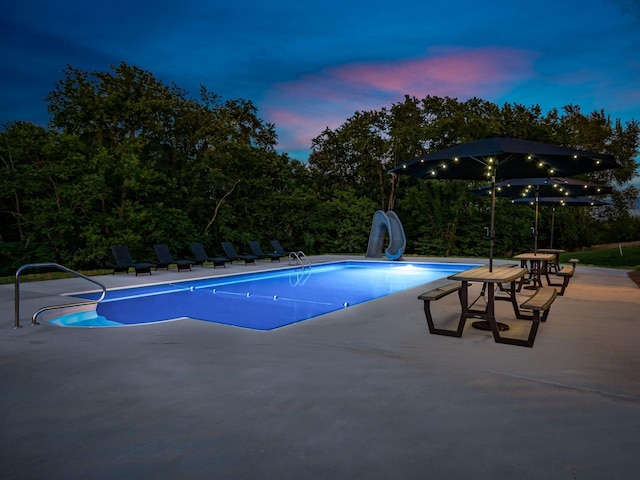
(56, 316)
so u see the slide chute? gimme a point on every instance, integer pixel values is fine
(386, 224)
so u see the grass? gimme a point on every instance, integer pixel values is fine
(627, 258)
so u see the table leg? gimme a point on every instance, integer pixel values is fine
(535, 280)
(554, 266)
(545, 271)
(489, 316)
(514, 301)
(464, 300)
(525, 278)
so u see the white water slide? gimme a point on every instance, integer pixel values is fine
(386, 224)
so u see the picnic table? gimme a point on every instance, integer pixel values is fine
(538, 303)
(555, 265)
(537, 265)
(489, 278)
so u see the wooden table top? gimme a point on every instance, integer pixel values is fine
(551, 250)
(500, 274)
(535, 256)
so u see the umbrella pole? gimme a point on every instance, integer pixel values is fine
(493, 220)
(535, 232)
(553, 216)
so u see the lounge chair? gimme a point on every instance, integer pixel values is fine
(200, 256)
(165, 259)
(257, 251)
(124, 261)
(231, 254)
(278, 248)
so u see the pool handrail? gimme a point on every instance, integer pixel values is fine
(299, 256)
(59, 267)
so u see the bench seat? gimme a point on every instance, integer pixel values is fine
(437, 294)
(566, 272)
(539, 303)
(442, 291)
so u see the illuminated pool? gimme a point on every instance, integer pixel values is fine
(261, 300)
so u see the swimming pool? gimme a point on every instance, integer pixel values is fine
(262, 300)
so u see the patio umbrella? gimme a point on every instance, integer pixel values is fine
(559, 201)
(502, 157)
(551, 187)
(545, 187)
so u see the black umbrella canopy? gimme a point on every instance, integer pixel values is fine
(502, 157)
(545, 187)
(505, 157)
(558, 201)
(563, 201)
(551, 187)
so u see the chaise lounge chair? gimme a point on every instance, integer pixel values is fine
(230, 252)
(165, 259)
(278, 248)
(124, 261)
(257, 251)
(200, 256)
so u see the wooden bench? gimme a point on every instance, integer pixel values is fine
(437, 294)
(566, 272)
(539, 303)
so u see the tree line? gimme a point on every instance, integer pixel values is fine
(127, 159)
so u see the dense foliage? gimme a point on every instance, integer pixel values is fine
(444, 217)
(129, 160)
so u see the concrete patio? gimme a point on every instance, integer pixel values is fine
(362, 393)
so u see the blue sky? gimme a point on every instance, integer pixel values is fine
(311, 64)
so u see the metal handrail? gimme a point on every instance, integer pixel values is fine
(299, 255)
(59, 267)
(301, 277)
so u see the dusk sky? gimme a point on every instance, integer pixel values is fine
(312, 64)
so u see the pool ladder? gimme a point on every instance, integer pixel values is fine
(59, 267)
(299, 258)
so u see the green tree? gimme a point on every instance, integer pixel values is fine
(441, 218)
(49, 194)
(130, 160)
(176, 168)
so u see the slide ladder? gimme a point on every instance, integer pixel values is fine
(386, 224)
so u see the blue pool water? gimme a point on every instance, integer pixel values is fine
(262, 300)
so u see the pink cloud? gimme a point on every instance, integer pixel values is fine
(302, 109)
(452, 73)
(296, 130)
